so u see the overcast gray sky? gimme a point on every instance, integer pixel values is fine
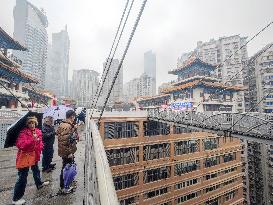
(168, 27)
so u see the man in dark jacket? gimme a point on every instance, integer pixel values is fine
(48, 140)
(81, 117)
(67, 140)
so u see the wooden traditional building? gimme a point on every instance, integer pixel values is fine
(195, 89)
(13, 79)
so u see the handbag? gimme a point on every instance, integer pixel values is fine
(25, 159)
(69, 174)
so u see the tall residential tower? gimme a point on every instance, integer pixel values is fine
(150, 68)
(84, 86)
(30, 25)
(117, 92)
(58, 64)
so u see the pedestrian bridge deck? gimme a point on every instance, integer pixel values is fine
(8, 175)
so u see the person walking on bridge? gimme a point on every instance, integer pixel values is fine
(67, 140)
(48, 140)
(30, 145)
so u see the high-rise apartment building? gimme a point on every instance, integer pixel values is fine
(84, 86)
(259, 82)
(146, 86)
(30, 25)
(158, 163)
(117, 92)
(58, 64)
(131, 89)
(229, 55)
(139, 87)
(150, 68)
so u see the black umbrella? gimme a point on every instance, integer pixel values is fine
(14, 129)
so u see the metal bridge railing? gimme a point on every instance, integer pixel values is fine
(256, 125)
(99, 186)
(7, 118)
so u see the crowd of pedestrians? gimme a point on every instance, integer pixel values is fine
(32, 142)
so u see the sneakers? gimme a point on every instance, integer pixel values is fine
(19, 202)
(67, 190)
(43, 185)
(74, 184)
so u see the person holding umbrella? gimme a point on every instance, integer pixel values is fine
(48, 140)
(67, 140)
(30, 145)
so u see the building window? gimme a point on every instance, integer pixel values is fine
(185, 147)
(152, 128)
(211, 175)
(229, 182)
(180, 130)
(129, 201)
(155, 193)
(212, 161)
(210, 144)
(187, 197)
(186, 183)
(229, 157)
(116, 130)
(125, 181)
(122, 156)
(186, 167)
(157, 174)
(213, 202)
(156, 151)
(212, 188)
(230, 195)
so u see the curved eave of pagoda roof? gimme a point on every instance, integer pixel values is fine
(37, 93)
(8, 42)
(200, 83)
(190, 64)
(203, 78)
(5, 60)
(153, 97)
(14, 74)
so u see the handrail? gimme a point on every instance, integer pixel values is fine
(99, 185)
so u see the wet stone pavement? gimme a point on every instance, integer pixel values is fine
(47, 195)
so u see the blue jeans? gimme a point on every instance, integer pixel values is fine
(21, 183)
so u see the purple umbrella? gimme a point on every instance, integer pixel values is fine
(69, 173)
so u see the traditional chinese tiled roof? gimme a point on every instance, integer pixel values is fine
(189, 63)
(7, 42)
(204, 78)
(4, 59)
(152, 97)
(15, 74)
(37, 91)
(200, 82)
